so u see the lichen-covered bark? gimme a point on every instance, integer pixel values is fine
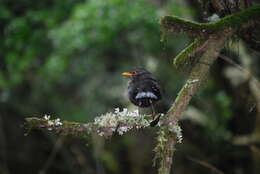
(197, 76)
(105, 125)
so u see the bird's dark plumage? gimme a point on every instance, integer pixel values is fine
(143, 88)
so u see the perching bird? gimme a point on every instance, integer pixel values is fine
(143, 89)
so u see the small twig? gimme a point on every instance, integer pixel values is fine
(230, 61)
(52, 156)
(207, 165)
(255, 149)
(247, 72)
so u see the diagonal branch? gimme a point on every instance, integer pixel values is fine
(210, 40)
(196, 78)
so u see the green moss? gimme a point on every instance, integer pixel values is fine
(203, 30)
(182, 59)
(195, 29)
(179, 25)
(33, 119)
(66, 129)
(237, 20)
(164, 149)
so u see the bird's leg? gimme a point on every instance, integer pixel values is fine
(153, 112)
(116, 129)
(155, 119)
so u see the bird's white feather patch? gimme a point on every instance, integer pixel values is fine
(145, 95)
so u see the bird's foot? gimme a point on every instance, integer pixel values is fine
(155, 120)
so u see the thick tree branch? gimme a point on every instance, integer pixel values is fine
(203, 30)
(210, 39)
(197, 76)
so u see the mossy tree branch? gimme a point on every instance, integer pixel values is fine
(105, 125)
(197, 76)
(210, 40)
(183, 59)
(74, 129)
(203, 30)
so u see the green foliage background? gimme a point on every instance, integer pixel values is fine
(65, 58)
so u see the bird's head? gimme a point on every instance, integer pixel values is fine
(136, 73)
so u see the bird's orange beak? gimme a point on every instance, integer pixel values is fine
(127, 74)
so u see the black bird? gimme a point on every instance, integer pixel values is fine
(143, 89)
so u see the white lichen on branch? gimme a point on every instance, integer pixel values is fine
(121, 121)
(176, 129)
(52, 123)
(105, 125)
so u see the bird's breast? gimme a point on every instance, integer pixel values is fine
(144, 93)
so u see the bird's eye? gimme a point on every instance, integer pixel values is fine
(134, 72)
